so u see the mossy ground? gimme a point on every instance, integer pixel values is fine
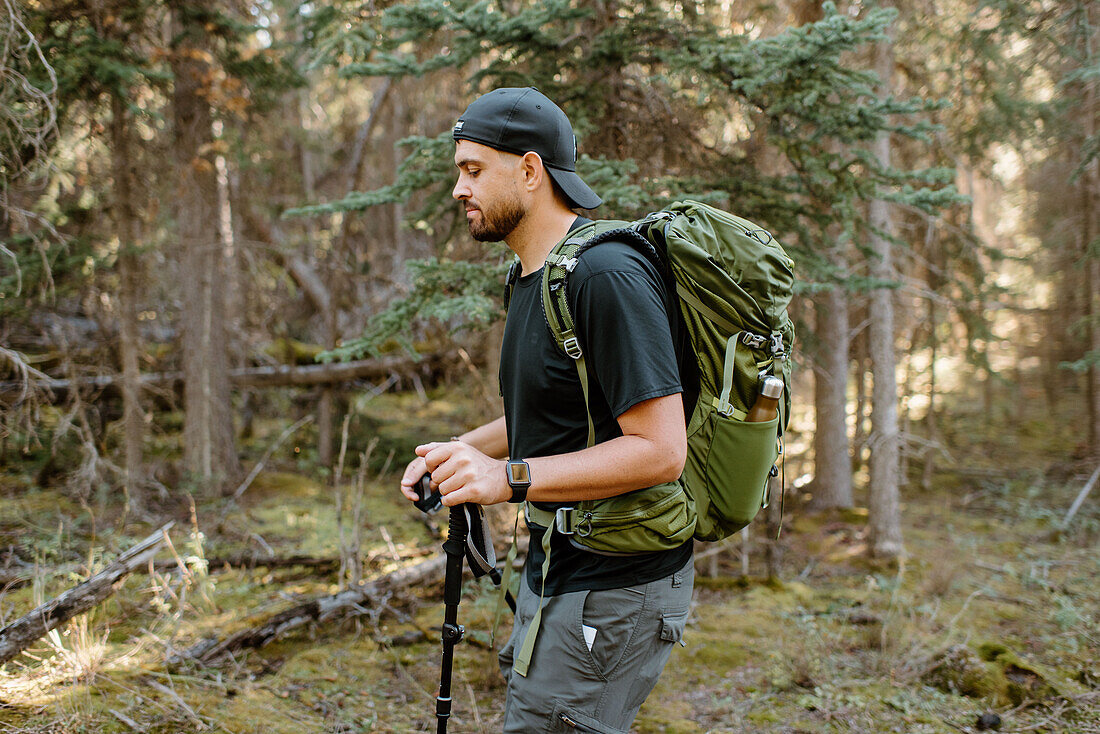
(839, 644)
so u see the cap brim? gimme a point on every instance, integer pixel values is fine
(574, 188)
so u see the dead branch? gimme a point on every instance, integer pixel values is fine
(1081, 497)
(23, 632)
(290, 430)
(251, 560)
(314, 610)
(353, 600)
(273, 376)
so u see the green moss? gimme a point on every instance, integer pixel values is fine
(1027, 680)
(961, 670)
(765, 716)
(716, 652)
(670, 718)
(292, 351)
(286, 484)
(724, 582)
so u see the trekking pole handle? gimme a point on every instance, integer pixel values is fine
(428, 501)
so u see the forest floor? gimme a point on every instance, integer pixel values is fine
(994, 608)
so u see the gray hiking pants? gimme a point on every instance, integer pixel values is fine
(597, 657)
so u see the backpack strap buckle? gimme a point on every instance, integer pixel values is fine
(560, 260)
(776, 347)
(563, 520)
(753, 340)
(653, 218)
(572, 347)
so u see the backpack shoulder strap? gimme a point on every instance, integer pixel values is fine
(561, 261)
(559, 319)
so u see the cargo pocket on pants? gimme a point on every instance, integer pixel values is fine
(673, 625)
(614, 614)
(565, 719)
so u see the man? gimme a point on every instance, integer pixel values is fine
(607, 623)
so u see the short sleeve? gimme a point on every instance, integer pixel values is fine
(619, 308)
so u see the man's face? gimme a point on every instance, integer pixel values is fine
(487, 187)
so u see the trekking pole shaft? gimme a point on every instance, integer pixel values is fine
(451, 632)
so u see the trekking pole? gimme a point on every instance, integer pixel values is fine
(452, 632)
(467, 539)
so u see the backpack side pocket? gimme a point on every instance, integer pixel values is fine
(727, 471)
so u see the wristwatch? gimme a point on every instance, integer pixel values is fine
(519, 479)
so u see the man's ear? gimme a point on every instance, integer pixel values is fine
(533, 170)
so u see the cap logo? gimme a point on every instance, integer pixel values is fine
(458, 127)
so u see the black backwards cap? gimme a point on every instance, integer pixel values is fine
(518, 120)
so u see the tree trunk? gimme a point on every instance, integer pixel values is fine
(130, 281)
(832, 464)
(859, 434)
(885, 509)
(932, 449)
(1091, 197)
(209, 442)
(1094, 369)
(773, 549)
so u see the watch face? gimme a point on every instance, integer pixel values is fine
(518, 473)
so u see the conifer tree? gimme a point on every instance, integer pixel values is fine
(1038, 67)
(661, 80)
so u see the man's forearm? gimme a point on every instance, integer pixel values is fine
(490, 439)
(607, 469)
(652, 450)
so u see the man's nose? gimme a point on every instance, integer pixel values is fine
(461, 190)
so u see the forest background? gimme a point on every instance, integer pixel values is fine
(235, 293)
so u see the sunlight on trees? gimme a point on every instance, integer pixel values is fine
(218, 220)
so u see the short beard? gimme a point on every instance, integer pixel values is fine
(496, 224)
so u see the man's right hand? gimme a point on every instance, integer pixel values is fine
(416, 469)
(491, 439)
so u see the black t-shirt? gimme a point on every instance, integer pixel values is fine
(620, 308)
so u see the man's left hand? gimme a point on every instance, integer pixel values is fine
(464, 474)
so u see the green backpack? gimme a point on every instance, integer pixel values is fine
(734, 283)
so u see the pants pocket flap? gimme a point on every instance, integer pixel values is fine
(672, 626)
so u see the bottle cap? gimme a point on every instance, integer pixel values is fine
(771, 387)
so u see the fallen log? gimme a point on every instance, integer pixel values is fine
(23, 632)
(267, 630)
(313, 610)
(271, 376)
(252, 560)
(18, 577)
